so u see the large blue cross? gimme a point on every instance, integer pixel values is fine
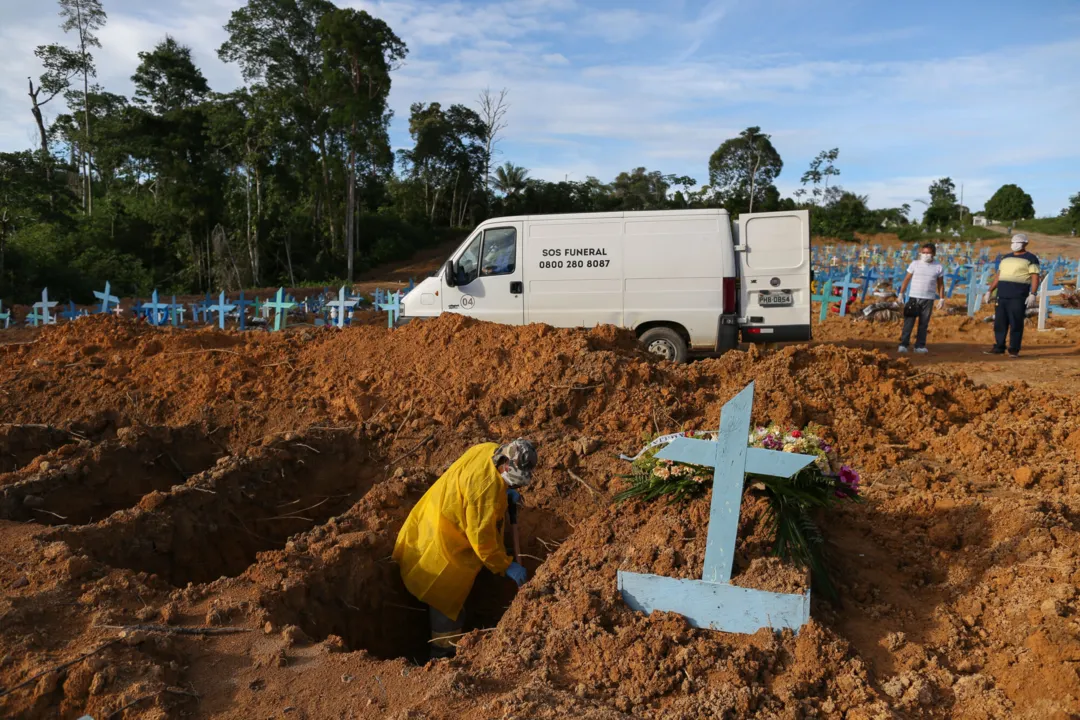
(713, 602)
(221, 307)
(281, 308)
(106, 298)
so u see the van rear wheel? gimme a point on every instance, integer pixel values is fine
(666, 343)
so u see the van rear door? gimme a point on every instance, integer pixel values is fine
(774, 276)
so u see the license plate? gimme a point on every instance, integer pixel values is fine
(780, 299)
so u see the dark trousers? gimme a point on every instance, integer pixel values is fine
(1009, 320)
(444, 632)
(926, 309)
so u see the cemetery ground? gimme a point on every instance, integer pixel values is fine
(197, 523)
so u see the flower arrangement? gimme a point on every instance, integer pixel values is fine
(1070, 297)
(792, 501)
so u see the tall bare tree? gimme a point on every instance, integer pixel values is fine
(493, 109)
(85, 17)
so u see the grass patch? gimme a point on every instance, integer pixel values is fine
(1050, 226)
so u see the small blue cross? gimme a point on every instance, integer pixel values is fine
(71, 313)
(176, 312)
(154, 310)
(341, 305)
(845, 285)
(221, 308)
(281, 308)
(41, 309)
(106, 298)
(826, 298)
(242, 306)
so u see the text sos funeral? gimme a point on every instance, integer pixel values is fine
(596, 258)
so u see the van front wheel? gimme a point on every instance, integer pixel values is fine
(666, 343)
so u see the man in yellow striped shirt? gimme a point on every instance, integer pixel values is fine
(1016, 283)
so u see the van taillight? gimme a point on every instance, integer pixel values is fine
(729, 295)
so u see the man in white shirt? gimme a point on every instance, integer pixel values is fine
(926, 277)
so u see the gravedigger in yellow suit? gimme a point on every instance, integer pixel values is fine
(456, 528)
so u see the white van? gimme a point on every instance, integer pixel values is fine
(680, 279)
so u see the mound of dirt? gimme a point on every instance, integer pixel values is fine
(257, 481)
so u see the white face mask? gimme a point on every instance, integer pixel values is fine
(926, 257)
(515, 478)
(1017, 247)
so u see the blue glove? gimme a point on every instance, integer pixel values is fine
(516, 573)
(513, 496)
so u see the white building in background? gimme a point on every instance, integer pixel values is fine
(982, 221)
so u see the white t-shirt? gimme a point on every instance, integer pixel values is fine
(924, 277)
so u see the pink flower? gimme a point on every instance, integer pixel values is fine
(849, 483)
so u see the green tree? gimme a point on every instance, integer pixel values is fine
(942, 210)
(847, 214)
(277, 45)
(359, 52)
(821, 169)
(509, 179)
(1073, 211)
(167, 79)
(641, 189)
(743, 168)
(1010, 202)
(85, 17)
(447, 160)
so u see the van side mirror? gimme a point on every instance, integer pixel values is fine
(451, 273)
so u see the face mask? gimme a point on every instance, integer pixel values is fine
(515, 478)
(1017, 247)
(926, 257)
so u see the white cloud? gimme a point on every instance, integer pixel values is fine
(618, 25)
(554, 59)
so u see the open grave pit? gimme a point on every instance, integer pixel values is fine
(340, 580)
(94, 481)
(21, 444)
(214, 525)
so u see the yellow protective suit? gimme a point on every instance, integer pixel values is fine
(454, 530)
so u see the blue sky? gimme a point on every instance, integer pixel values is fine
(985, 92)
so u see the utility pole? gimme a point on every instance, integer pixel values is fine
(961, 207)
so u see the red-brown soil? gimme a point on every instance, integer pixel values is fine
(200, 479)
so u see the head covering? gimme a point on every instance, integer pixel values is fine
(1020, 238)
(522, 456)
